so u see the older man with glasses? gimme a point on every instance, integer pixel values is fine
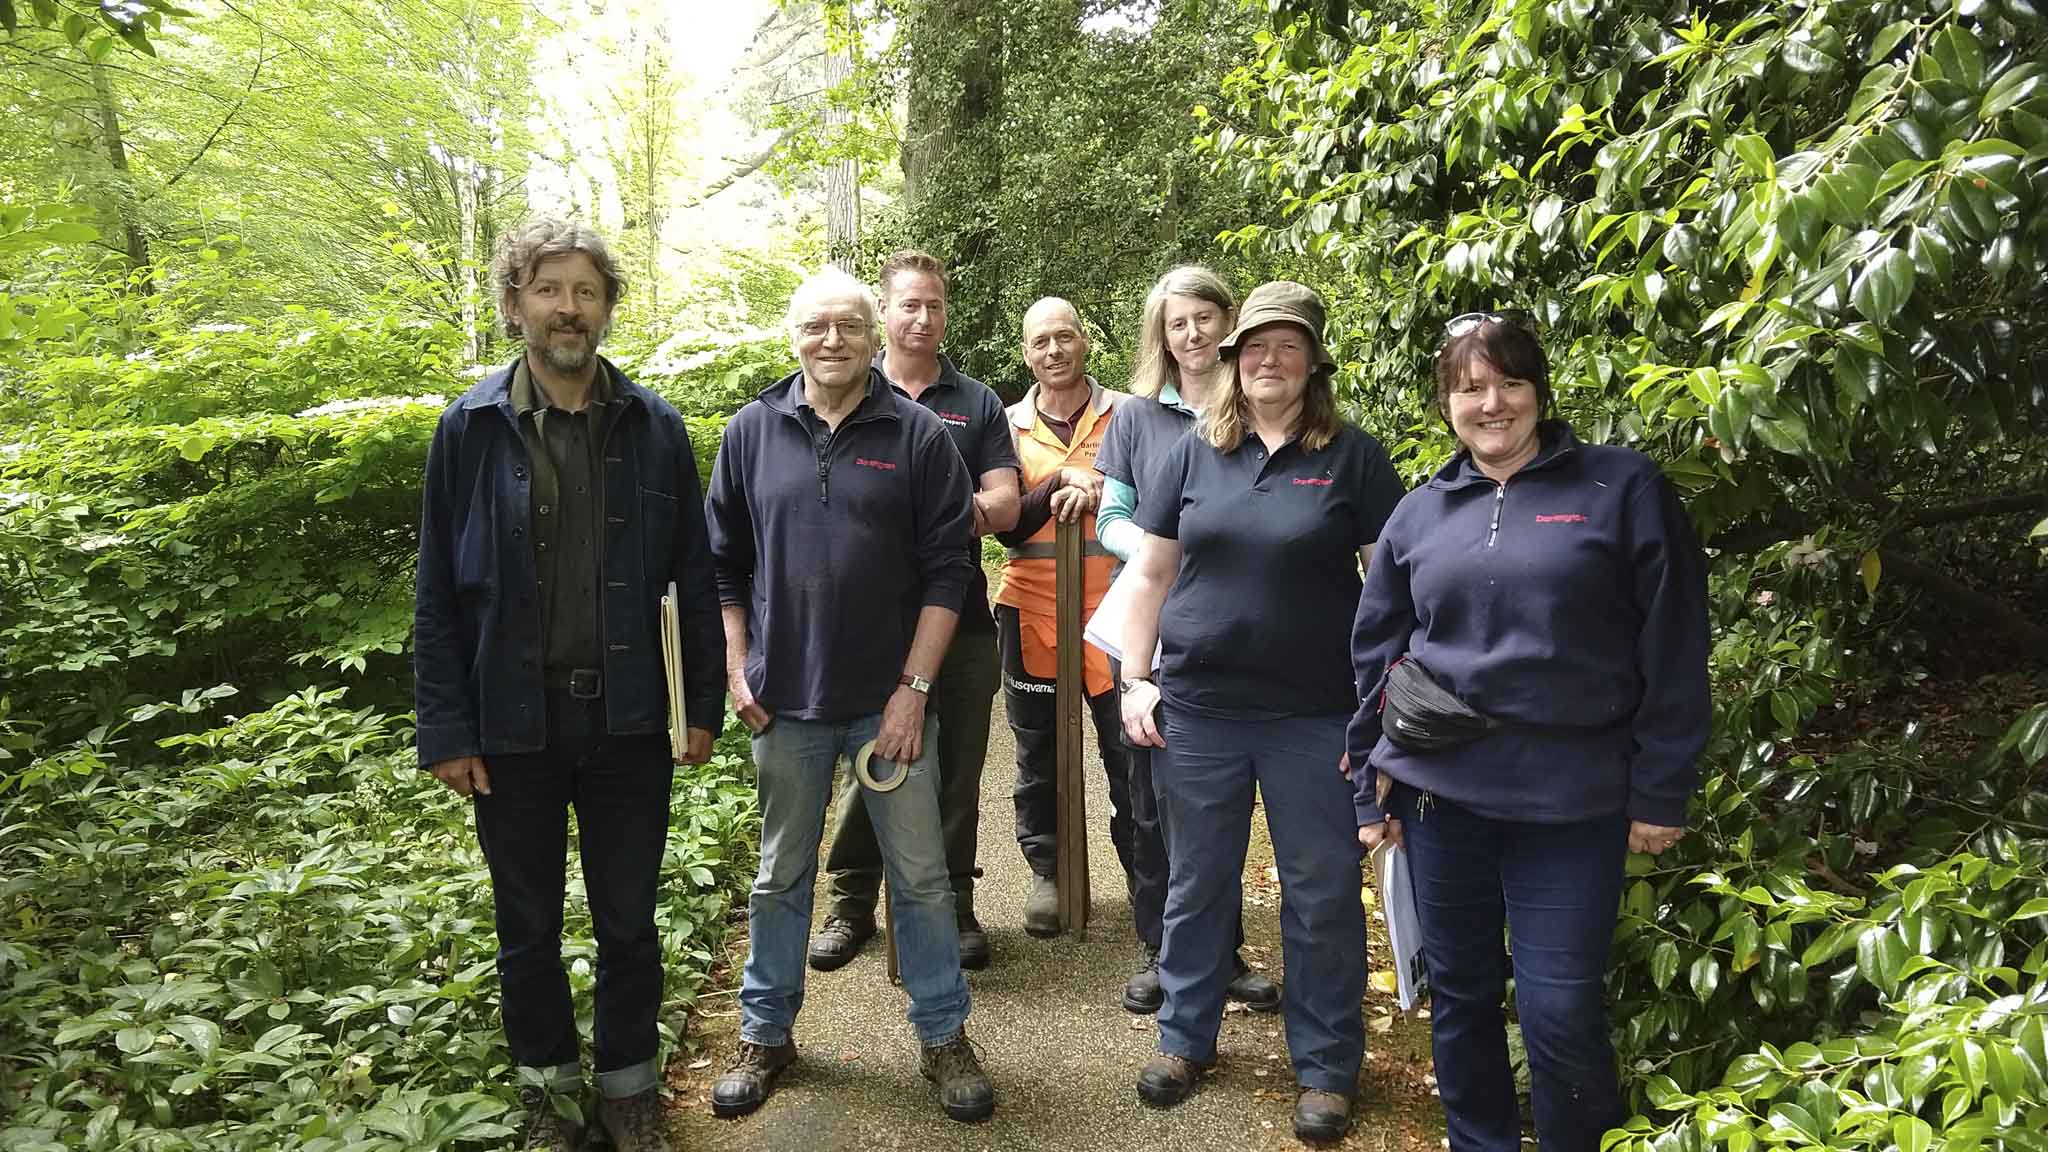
(840, 517)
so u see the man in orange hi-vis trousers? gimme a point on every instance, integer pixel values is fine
(1057, 427)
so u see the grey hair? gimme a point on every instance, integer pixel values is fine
(1156, 366)
(830, 280)
(521, 251)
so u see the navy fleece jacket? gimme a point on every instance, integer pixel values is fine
(1571, 602)
(835, 541)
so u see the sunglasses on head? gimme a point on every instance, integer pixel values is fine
(1470, 321)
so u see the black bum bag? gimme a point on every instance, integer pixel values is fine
(1420, 715)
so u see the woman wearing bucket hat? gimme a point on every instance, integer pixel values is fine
(1255, 527)
(1557, 595)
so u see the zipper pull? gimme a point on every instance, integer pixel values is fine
(824, 485)
(1500, 497)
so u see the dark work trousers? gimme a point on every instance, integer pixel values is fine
(1558, 887)
(1149, 861)
(619, 786)
(1205, 778)
(961, 693)
(1034, 720)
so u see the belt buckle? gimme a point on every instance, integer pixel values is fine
(586, 683)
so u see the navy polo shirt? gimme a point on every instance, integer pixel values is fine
(1141, 434)
(973, 415)
(836, 540)
(1253, 626)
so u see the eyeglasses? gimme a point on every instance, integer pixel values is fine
(849, 329)
(1470, 321)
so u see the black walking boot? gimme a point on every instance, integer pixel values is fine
(974, 954)
(750, 1077)
(1141, 992)
(1253, 988)
(839, 941)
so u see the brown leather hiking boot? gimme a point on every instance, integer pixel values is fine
(964, 1091)
(1321, 1117)
(749, 1077)
(1166, 1080)
(635, 1122)
(547, 1130)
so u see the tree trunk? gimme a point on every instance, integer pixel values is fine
(842, 177)
(137, 242)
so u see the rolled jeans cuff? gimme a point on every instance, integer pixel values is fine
(631, 1080)
(562, 1079)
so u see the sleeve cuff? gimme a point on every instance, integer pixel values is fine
(945, 589)
(438, 742)
(1665, 813)
(709, 706)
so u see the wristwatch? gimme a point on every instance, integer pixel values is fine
(1131, 682)
(916, 683)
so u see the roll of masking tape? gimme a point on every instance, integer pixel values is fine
(875, 773)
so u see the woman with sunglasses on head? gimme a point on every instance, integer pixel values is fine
(1256, 524)
(1557, 591)
(1187, 312)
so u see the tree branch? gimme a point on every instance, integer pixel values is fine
(2009, 627)
(186, 168)
(747, 167)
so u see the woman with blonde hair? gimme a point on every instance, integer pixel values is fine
(1186, 314)
(1255, 530)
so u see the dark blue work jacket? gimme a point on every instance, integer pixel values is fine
(478, 684)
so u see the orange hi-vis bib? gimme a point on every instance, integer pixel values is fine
(1029, 581)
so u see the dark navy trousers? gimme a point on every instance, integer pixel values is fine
(1558, 889)
(619, 786)
(1205, 779)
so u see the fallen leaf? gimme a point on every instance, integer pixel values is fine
(1385, 982)
(704, 1063)
(1383, 1024)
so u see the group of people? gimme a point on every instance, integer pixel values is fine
(829, 584)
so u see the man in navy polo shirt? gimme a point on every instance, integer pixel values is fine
(913, 288)
(840, 514)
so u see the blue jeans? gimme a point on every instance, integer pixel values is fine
(795, 760)
(1558, 887)
(619, 786)
(1204, 780)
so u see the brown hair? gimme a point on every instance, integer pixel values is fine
(1512, 350)
(522, 250)
(910, 260)
(1156, 367)
(1229, 417)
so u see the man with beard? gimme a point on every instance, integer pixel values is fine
(561, 499)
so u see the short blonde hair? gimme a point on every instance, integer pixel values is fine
(826, 282)
(1229, 417)
(1156, 366)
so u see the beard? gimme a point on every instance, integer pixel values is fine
(566, 358)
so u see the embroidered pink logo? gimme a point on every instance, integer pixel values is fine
(1313, 482)
(884, 465)
(953, 418)
(1562, 518)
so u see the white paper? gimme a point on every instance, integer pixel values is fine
(1404, 933)
(672, 666)
(1105, 629)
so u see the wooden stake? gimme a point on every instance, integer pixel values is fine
(1071, 703)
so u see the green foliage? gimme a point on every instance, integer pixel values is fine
(275, 933)
(1794, 252)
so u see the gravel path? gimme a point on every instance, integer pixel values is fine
(1054, 1037)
